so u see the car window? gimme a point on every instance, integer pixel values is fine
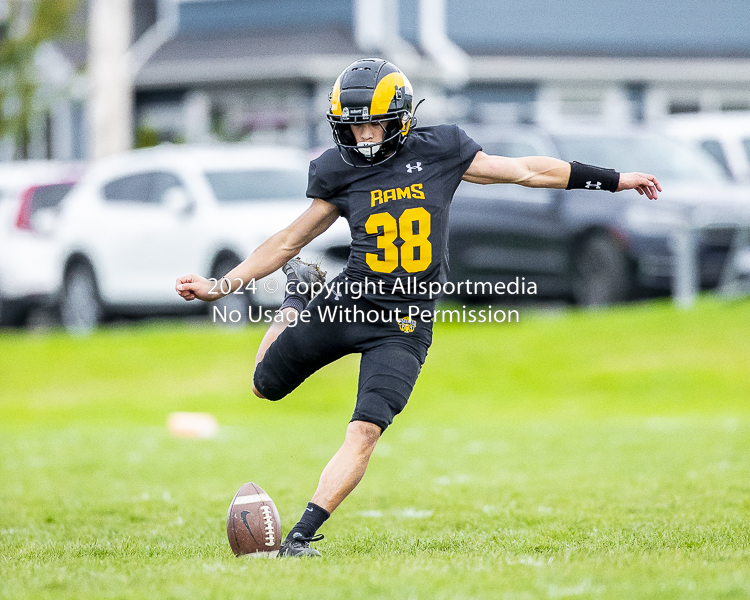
(49, 196)
(145, 188)
(266, 184)
(161, 183)
(716, 150)
(668, 159)
(133, 188)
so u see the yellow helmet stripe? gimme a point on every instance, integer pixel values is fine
(381, 98)
(336, 98)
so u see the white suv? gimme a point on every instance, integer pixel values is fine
(30, 193)
(725, 136)
(137, 221)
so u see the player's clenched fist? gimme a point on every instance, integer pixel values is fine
(191, 287)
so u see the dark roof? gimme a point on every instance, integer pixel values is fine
(205, 58)
(603, 28)
(237, 45)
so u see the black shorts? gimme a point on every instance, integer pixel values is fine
(392, 354)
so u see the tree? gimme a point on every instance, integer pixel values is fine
(28, 24)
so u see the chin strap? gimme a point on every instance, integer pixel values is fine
(407, 125)
(414, 113)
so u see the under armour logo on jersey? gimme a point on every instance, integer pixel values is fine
(593, 186)
(418, 167)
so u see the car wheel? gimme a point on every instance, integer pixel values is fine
(80, 306)
(233, 303)
(12, 314)
(601, 273)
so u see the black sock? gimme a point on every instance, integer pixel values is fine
(312, 519)
(294, 302)
(293, 299)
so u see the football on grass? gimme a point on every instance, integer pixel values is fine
(253, 523)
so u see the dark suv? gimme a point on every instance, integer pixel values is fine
(594, 247)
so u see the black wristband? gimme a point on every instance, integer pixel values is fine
(589, 177)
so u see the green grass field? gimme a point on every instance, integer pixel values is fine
(602, 455)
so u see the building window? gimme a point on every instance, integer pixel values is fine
(678, 107)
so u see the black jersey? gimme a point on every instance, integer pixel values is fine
(398, 211)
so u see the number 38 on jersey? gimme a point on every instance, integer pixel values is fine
(413, 228)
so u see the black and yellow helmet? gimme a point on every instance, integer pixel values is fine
(371, 90)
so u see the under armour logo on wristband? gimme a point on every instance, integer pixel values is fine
(590, 177)
(418, 167)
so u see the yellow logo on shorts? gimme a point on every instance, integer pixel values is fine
(407, 325)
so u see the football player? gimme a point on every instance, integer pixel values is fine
(394, 184)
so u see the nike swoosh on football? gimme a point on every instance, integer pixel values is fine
(244, 514)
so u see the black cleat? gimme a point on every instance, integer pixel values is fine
(299, 546)
(298, 271)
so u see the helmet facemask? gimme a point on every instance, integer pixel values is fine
(373, 153)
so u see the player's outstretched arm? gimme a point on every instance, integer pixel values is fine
(548, 172)
(268, 257)
(529, 171)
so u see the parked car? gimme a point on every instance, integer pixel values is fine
(594, 247)
(137, 221)
(30, 195)
(725, 136)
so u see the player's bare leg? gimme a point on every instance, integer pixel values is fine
(340, 476)
(347, 467)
